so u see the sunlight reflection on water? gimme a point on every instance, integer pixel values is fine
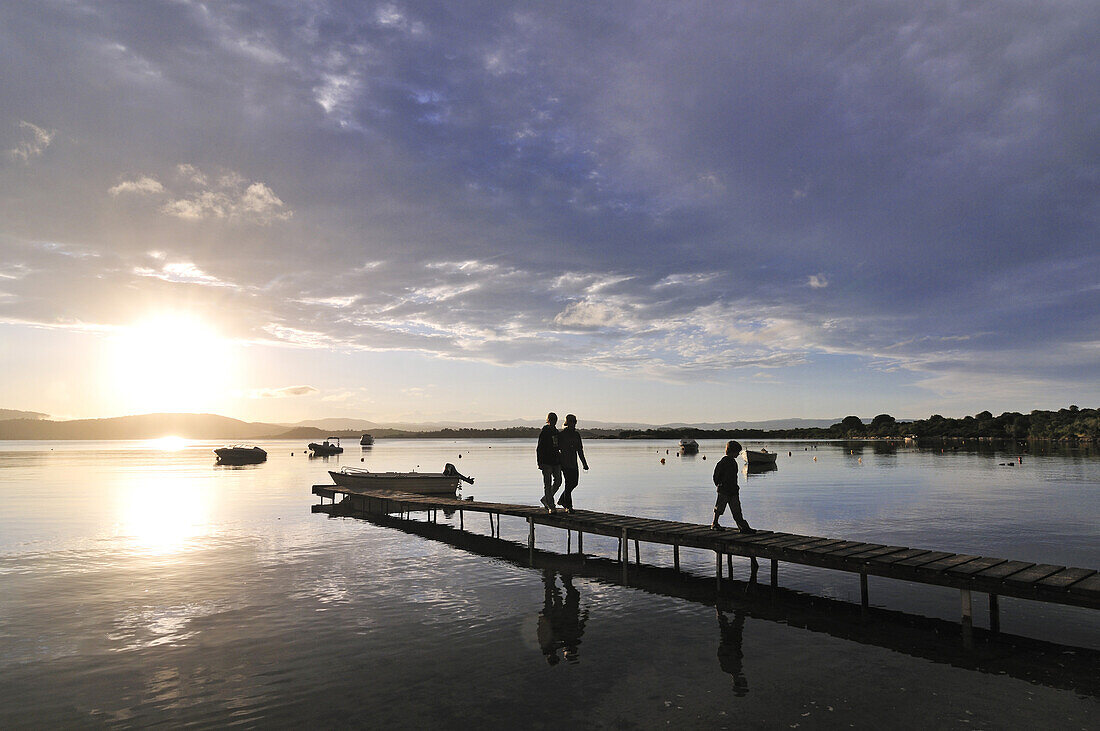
(219, 597)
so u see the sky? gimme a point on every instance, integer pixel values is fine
(636, 211)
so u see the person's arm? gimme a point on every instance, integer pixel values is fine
(580, 452)
(718, 474)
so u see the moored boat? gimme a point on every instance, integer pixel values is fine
(331, 445)
(424, 483)
(689, 446)
(239, 454)
(760, 458)
(367, 440)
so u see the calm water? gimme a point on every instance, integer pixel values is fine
(141, 585)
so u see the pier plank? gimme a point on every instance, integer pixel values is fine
(831, 550)
(1063, 579)
(1027, 577)
(1089, 587)
(1005, 569)
(853, 550)
(892, 558)
(877, 552)
(925, 559)
(945, 563)
(972, 567)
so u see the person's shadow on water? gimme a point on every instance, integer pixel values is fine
(561, 621)
(730, 655)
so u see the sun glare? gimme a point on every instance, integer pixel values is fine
(171, 363)
(168, 444)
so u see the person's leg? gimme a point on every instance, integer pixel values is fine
(572, 477)
(547, 489)
(719, 508)
(738, 516)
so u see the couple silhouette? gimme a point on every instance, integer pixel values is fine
(557, 454)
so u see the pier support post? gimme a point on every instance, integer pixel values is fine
(461, 524)
(530, 539)
(676, 556)
(863, 597)
(967, 618)
(775, 572)
(729, 565)
(568, 541)
(637, 553)
(994, 614)
(624, 544)
(580, 543)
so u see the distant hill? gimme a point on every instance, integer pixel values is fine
(6, 414)
(146, 426)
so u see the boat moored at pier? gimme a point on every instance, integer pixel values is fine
(421, 483)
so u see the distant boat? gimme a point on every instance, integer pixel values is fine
(367, 440)
(238, 454)
(760, 458)
(424, 483)
(689, 446)
(326, 447)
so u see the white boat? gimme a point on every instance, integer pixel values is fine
(237, 454)
(367, 440)
(331, 445)
(689, 446)
(424, 483)
(761, 457)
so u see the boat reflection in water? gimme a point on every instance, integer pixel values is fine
(756, 468)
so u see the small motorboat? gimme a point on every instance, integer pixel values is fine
(424, 483)
(331, 445)
(689, 446)
(760, 458)
(238, 454)
(367, 440)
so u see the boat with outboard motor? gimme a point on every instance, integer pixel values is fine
(689, 446)
(424, 483)
(240, 454)
(331, 445)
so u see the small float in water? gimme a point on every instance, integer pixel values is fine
(239, 454)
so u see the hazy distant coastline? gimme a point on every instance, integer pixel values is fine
(1069, 424)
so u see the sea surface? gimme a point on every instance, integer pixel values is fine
(140, 584)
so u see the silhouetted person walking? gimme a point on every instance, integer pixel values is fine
(725, 479)
(569, 445)
(549, 461)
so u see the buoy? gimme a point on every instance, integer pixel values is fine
(460, 456)
(704, 457)
(815, 459)
(362, 459)
(790, 454)
(662, 460)
(861, 460)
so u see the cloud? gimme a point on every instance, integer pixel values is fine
(194, 197)
(284, 392)
(545, 183)
(34, 141)
(142, 186)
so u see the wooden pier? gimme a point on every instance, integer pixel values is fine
(984, 574)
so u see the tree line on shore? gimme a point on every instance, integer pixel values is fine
(1072, 424)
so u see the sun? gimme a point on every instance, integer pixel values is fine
(171, 362)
